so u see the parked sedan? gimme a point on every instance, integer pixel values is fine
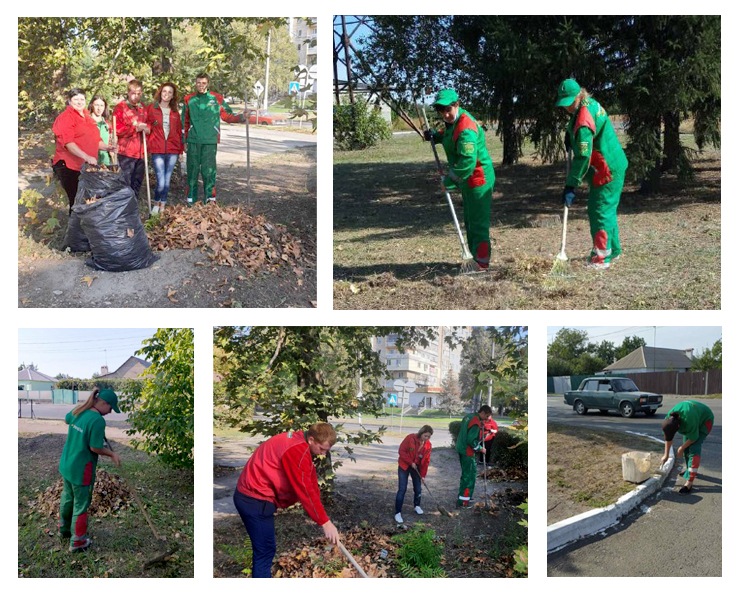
(266, 118)
(606, 393)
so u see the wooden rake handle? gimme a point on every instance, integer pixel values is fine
(352, 560)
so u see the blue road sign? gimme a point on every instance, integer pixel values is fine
(392, 399)
(293, 87)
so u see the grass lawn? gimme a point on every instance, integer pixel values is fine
(585, 468)
(122, 542)
(395, 247)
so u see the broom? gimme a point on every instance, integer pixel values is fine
(561, 266)
(468, 264)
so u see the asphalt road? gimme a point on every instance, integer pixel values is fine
(671, 534)
(51, 411)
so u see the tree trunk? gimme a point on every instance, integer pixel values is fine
(671, 141)
(651, 183)
(162, 40)
(509, 136)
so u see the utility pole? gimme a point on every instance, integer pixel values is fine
(488, 399)
(268, 57)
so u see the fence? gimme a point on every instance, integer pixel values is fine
(54, 397)
(667, 383)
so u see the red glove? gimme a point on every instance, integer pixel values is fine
(602, 174)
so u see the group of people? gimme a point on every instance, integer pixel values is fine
(85, 134)
(281, 473)
(598, 159)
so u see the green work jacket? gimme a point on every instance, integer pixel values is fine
(591, 131)
(464, 143)
(469, 436)
(693, 416)
(78, 462)
(201, 117)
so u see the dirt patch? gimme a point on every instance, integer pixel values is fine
(585, 468)
(364, 499)
(395, 246)
(283, 192)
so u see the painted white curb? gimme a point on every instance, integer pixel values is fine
(588, 523)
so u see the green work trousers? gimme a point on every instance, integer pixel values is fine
(602, 207)
(201, 158)
(468, 478)
(75, 500)
(477, 219)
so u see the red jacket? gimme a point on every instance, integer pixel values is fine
(157, 143)
(130, 143)
(490, 429)
(71, 127)
(411, 452)
(281, 471)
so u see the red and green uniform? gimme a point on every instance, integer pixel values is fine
(77, 466)
(411, 452)
(71, 127)
(130, 141)
(696, 422)
(472, 172)
(470, 440)
(201, 116)
(598, 158)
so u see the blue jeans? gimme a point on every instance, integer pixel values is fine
(403, 481)
(133, 171)
(258, 517)
(163, 166)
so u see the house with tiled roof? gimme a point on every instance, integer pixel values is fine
(652, 359)
(29, 379)
(133, 367)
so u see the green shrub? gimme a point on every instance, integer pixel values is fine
(358, 126)
(419, 554)
(454, 427)
(502, 453)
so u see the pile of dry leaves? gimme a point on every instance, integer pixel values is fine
(370, 547)
(228, 235)
(109, 496)
(502, 475)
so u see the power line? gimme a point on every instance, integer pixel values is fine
(109, 339)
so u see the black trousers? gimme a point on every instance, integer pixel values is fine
(133, 171)
(69, 180)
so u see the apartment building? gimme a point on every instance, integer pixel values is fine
(303, 33)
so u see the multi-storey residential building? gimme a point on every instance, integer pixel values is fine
(303, 33)
(426, 366)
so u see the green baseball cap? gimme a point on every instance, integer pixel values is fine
(446, 97)
(110, 398)
(567, 93)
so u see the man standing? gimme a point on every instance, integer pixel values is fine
(471, 171)
(490, 431)
(470, 439)
(201, 116)
(279, 474)
(130, 125)
(694, 421)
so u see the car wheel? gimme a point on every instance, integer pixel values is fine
(627, 410)
(650, 413)
(579, 407)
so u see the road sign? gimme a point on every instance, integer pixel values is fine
(410, 386)
(398, 384)
(258, 88)
(313, 71)
(392, 399)
(294, 87)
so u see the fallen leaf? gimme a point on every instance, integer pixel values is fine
(130, 232)
(354, 289)
(170, 294)
(89, 279)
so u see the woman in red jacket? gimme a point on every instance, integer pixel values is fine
(414, 459)
(165, 140)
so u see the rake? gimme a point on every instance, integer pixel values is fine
(468, 264)
(441, 509)
(561, 265)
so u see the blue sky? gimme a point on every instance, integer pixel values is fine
(673, 337)
(79, 352)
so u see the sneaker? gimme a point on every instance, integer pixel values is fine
(213, 199)
(418, 510)
(155, 210)
(398, 518)
(597, 265)
(79, 546)
(190, 200)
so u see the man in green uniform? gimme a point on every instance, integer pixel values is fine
(201, 117)
(598, 159)
(471, 171)
(694, 421)
(85, 441)
(470, 440)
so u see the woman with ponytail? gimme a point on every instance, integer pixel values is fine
(85, 441)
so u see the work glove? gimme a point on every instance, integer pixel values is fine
(569, 194)
(428, 135)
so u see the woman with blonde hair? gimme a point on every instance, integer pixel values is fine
(85, 442)
(414, 460)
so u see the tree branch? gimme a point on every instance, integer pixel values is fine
(278, 347)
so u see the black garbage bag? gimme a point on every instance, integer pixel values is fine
(75, 239)
(112, 223)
